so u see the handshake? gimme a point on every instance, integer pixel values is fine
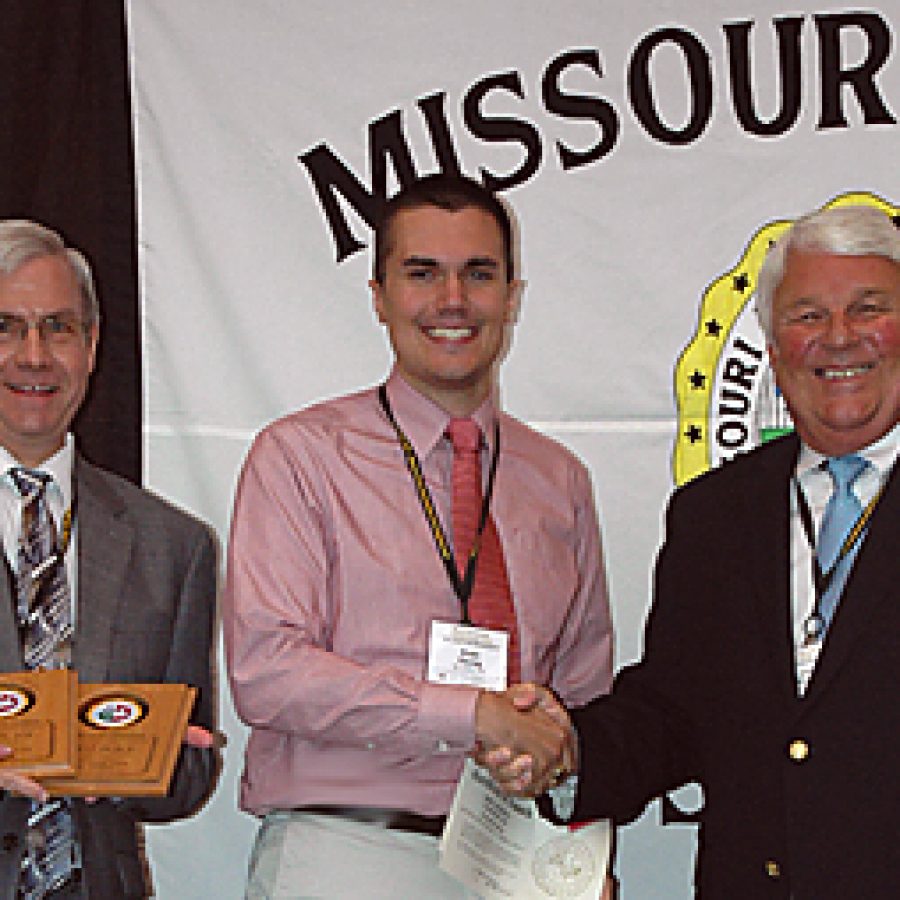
(525, 739)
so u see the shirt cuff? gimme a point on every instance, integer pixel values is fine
(447, 716)
(563, 798)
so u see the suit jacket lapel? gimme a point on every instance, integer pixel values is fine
(104, 547)
(769, 556)
(10, 644)
(871, 584)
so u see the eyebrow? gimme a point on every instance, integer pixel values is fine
(51, 314)
(865, 292)
(428, 262)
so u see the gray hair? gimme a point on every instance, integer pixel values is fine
(22, 241)
(840, 230)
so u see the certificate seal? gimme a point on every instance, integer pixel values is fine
(564, 866)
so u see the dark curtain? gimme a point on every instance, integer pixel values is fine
(66, 160)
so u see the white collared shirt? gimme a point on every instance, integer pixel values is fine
(817, 487)
(59, 499)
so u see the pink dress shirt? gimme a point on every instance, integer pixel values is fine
(333, 582)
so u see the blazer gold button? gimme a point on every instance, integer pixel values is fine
(798, 750)
(773, 870)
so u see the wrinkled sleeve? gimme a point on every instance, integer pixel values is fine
(279, 620)
(583, 668)
(639, 741)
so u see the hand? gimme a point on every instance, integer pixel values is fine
(524, 738)
(17, 783)
(528, 696)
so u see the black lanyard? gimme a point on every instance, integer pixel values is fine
(815, 625)
(462, 587)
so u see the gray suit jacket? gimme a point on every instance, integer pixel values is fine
(146, 592)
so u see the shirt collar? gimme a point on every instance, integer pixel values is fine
(882, 455)
(58, 466)
(424, 422)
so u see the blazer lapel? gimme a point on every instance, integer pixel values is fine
(10, 645)
(104, 547)
(872, 583)
(768, 553)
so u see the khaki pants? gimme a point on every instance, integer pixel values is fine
(313, 857)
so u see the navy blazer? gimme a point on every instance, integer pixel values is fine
(801, 794)
(146, 594)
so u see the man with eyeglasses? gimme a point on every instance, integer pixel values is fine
(357, 526)
(133, 579)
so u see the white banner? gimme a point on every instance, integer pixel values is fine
(643, 147)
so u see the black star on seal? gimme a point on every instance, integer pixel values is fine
(694, 434)
(713, 328)
(698, 380)
(896, 220)
(741, 283)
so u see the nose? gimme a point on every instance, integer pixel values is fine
(839, 330)
(32, 348)
(454, 293)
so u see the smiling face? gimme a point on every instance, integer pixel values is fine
(836, 348)
(446, 302)
(42, 379)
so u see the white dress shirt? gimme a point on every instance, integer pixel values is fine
(817, 487)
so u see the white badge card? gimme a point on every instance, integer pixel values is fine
(807, 657)
(466, 654)
(500, 847)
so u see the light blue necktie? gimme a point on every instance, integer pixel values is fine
(841, 514)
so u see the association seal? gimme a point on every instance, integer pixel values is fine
(564, 866)
(113, 711)
(14, 700)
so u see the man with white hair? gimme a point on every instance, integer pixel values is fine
(772, 649)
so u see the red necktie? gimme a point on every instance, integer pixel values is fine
(490, 605)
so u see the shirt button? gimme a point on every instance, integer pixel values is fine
(773, 870)
(443, 746)
(798, 750)
(370, 745)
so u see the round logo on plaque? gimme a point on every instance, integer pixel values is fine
(14, 701)
(113, 711)
(564, 866)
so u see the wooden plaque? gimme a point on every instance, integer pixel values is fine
(36, 721)
(128, 737)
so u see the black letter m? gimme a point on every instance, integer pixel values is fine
(330, 177)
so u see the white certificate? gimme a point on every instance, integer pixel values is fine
(501, 847)
(467, 654)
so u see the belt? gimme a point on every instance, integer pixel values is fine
(393, 819)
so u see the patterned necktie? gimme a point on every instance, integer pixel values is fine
(44, 611)
(44, 601)
(841, 514)
(490, 605)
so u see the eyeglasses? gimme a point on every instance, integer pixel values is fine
(56, 329)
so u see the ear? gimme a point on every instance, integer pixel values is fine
(514, 301)
(378, 300)
(93, 338)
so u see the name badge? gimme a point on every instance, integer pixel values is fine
(467, 654)
(807, 657)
